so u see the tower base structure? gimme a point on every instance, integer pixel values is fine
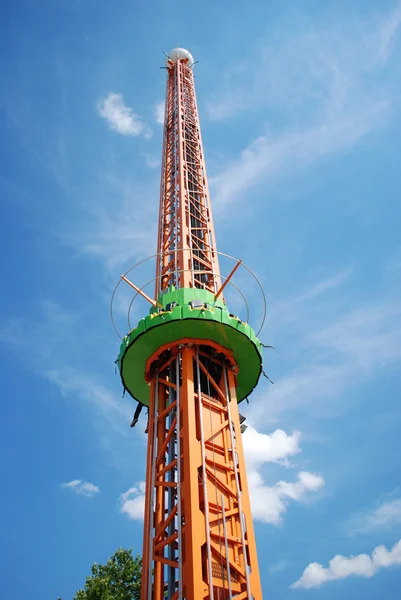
(199, 540)
(198, 533)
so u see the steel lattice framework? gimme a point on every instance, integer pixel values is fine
(199, 540)
(186, 241)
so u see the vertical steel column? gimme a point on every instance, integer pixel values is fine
(230, 593)
(198, 536)
(200, 543)
(179, 458)
(237, 485)
(171, 491)
(151, 497)
(187, 255)
(204, 478)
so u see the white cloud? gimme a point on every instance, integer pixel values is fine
(132, 502)
(83, 488)
(53, 318)
(341, 567)
(388, 32)
(291, 310)
(276, 447)
(152, 162)
(325, 85)
(269, 503)
(92, 390)
(394, 262)
(325, 285)
(268, 156)
(305, 71)
(119, 224)
(336, 347)
(159, 112)
(356, 336)
(42, 354)
(278, 567)
(121, 118)
(387, 514)
(84, 386)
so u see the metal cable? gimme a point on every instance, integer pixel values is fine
(159, 255)
(153, 477)
(181, 271)
(215, 480)
(178, 426)
(204, 476)
(239, 491)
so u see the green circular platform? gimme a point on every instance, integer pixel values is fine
(179, 318)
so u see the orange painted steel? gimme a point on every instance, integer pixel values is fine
(227, 281)
(141, 292)
(199, 541)
(186, 240)
(205, 535)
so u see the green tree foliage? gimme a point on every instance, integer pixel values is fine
(118, 579)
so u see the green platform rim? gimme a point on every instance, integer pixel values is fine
(240, 396)
(210, 320)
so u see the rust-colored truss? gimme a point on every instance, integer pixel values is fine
(186, 243)
(199, 541)
(198, 534)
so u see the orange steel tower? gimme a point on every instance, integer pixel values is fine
(191, 362)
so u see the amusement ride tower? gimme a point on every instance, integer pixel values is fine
(191, 361)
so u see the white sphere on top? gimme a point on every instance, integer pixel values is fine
(179, 54)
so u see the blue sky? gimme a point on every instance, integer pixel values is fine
(300, 115)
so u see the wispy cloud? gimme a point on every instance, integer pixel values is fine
(324, 86)
(152, 162)
(118, 225)
(325, 285)
(341, 567)
(159, 112)
(52, 317)
(42, 354)
(269, 156)
(83, 386)
(278, 567)
(298, 308)
(394, 262)
(269, 503)
(122, 118)
(388, 32)
(82, 488)
(384, 516)
(333, 347)
(366, 337)
(350, 349)
(325, 69)
(132, 502)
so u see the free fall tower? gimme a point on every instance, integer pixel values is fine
(191, 362)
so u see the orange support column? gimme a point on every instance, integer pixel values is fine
(191, 361)
(254, 576)
(200, 526)
(194, 524)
